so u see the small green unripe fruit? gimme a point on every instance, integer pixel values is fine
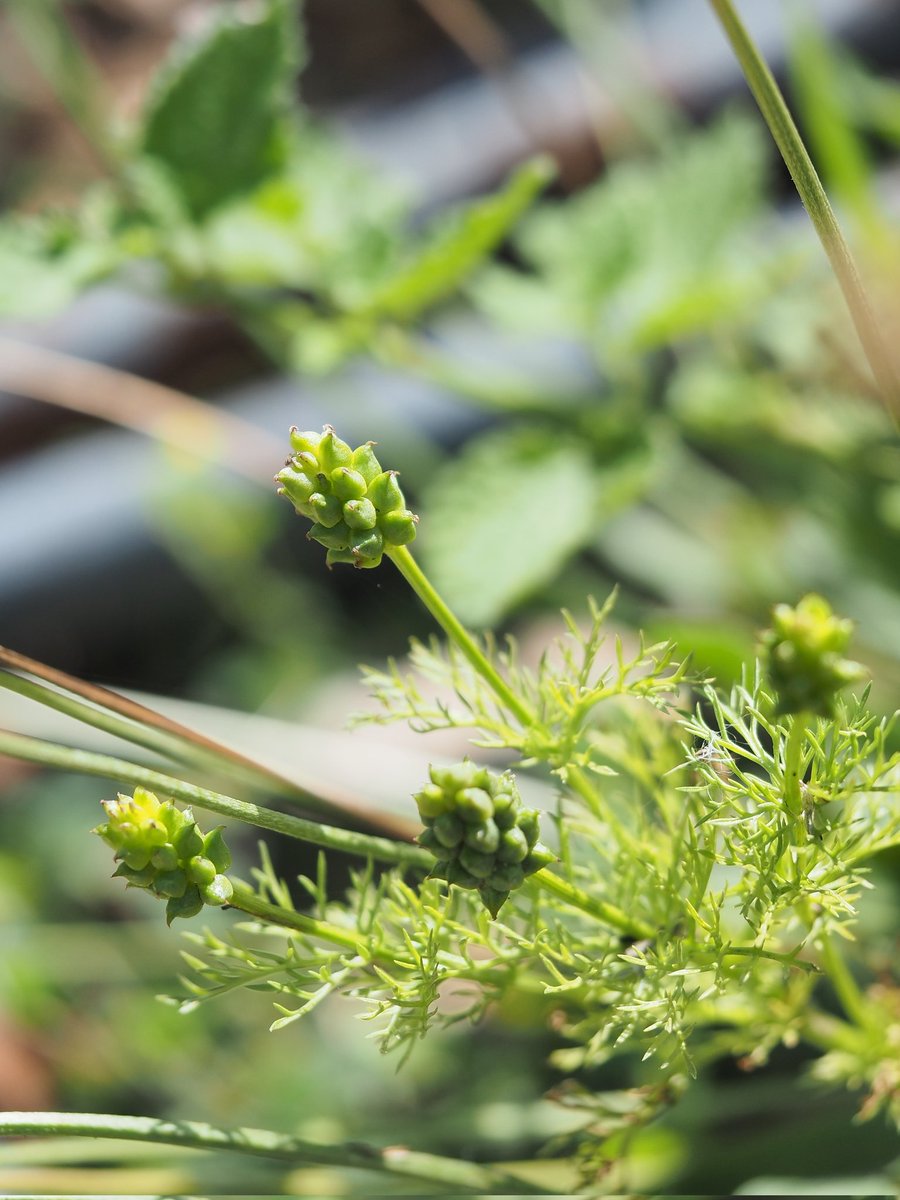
(429, 840)
(385, 492)
(332, 452)
(485, 838)
(328, 509)
(138, 859)
(456, 873)
(298, 488)
(449, 830)
(165, 858)
(339, 556)
(430, 801)
(365, 462)
(360, 514)
(479, 865)
(504, 811)
(538, 857)
(474, 805)
(202, 869)
(399, 527)
(309, 465)
(367, 546)
(508, 877)
(304, 442)
(218, 892)
(348, 484)
(513, 846)
(529, 822)
(160, 848)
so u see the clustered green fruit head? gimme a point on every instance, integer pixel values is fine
(478, 831)
(160, 848)
(803, 653)
(357, 509)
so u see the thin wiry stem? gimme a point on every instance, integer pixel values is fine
(328, 836)
(447, 1174)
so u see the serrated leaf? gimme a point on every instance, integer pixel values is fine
(216, 117)
(501, 520)
(649, 253)
(456, 248)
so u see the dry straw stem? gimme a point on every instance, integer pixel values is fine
(144, 726)
(160, 412)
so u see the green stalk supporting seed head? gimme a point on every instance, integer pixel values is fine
(478, 831)
(803, 652)
(160, 848)
(357, 509)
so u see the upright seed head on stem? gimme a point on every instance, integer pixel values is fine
(803, 654)
(357, 509)
(478, 831)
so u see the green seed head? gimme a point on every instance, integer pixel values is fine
(341, 489)
(479, 833)
(160, 848)
(803, 654)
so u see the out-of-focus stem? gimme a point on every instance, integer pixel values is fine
(787, 137)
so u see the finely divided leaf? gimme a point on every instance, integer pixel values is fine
(216, 119)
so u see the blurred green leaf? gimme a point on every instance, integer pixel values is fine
(650, 252)
(449, 253)
(43, 268)
(325, 222)
(217, 116)
(501, 520)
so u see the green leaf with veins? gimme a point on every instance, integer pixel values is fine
(501, 519)
(218, 115)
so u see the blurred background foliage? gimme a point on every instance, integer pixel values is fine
(625, 305)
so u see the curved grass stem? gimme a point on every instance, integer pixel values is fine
(787, 137)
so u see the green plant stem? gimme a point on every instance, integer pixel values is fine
(608, 913)
(841, 979)
(246, 899)
(447, 1174)
(793, 764)
(330, 837)
(787, 137)
(457, 632)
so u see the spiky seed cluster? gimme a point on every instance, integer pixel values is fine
(356, 508)
(478, 831)
(161, 849)
(803, 653)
